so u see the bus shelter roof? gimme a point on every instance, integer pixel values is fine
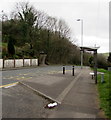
(89, 48)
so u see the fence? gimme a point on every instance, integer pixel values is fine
(18, 63)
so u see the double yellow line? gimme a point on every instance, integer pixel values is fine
(9, 85)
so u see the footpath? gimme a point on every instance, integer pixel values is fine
(77, 95)
(81, 101)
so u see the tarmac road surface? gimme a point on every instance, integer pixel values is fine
(77, 95)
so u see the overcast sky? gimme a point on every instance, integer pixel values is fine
(95, 15)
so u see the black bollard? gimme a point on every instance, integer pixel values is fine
(73, 71)
(63, 69)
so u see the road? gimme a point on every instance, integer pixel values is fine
(12, 76)
(76, 95)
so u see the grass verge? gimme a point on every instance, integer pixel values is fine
(105, 92)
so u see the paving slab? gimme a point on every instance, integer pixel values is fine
(81, 101)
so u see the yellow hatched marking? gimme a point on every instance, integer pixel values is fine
(23, 78)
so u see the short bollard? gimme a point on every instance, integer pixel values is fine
(73, 71)
(109, 69)
(63, 69)
(102, 77)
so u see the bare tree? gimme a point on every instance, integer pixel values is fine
(51, 24)
(63, 29)
(41, 19)
(4, 16)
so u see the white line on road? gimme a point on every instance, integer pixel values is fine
(9, 85)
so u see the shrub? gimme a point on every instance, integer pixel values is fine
(102, 62)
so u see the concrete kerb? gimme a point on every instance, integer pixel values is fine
(60, 97)
(40, 93)
(67, 89)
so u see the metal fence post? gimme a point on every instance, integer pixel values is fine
(109, 69)
(14, 62)
(30, 62)
(95, 66)
(23, 61)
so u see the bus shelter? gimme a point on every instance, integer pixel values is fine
(94, 50)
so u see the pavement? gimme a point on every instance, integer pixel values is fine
(76, 95)
(81, 100)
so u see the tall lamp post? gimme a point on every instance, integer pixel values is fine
(81, 20)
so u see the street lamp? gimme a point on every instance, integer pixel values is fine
(81, 20)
